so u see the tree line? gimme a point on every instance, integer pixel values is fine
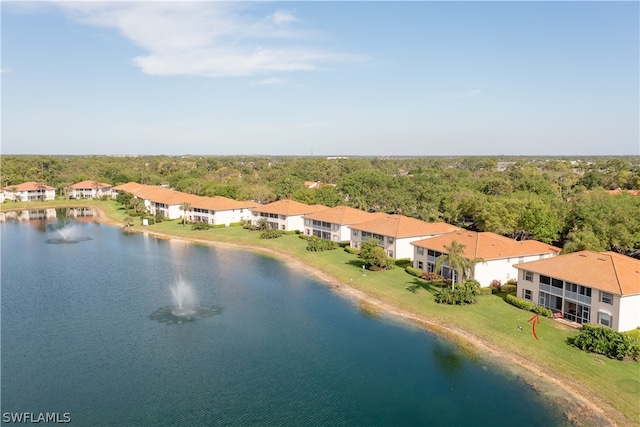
(559, 201)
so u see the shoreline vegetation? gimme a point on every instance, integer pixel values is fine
(591, 389)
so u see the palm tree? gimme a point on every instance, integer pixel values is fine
(184, 207)
(457, 262)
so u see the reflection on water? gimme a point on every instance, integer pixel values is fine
(283, 349)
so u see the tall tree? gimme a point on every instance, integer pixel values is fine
(184, 207)
(457, 262)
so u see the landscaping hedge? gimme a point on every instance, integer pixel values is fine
(487, 290)
(602, 340)
(509, 289)
(527, 305)
(319, 245)
(351, 250)
(413, 271)
(519, 302)
(404, 262)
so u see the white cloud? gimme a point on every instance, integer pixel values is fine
(466, 94)
(270, 81)
(212, 39)
(280, 17)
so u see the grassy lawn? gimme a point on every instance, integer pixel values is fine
(491, 319)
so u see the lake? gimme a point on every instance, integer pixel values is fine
(283, 348)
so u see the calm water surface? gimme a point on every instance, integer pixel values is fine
(283, 350)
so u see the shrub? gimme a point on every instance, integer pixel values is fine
(519, 302)
(351, 250)
(602, 340)
(318, 245)
(200, 226)
(496, 284)
(513, 282)
(288, 232)
(158, 217)
(270, 234)
(528, 305)
(462, 294)
(404, 262)
(543, 311)
(487, 290)
(150, 220)
(413, 271)
(509, 289)
(217, 225)
(236, 224)
(432, 277)
(248, 226)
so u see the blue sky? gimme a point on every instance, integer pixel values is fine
(322, 78)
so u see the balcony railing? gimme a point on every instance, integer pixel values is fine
(577, 297)
(551, 289)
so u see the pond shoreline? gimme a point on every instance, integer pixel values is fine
(581, 409)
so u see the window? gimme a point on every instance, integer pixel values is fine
(526, 294)
(336, 227)
(390, 254)
(606, 297)
(420, 265)
(604, 319)
(545, 280)
(420, 251)
(528, 276)
(306, 221)
(355, 232)
(389, 240)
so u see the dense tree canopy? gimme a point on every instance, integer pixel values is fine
(554, 200)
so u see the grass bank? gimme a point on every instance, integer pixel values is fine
(611, 385)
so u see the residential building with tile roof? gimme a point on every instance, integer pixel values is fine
(499, 253)
(333, 224)
(586, 287)
(396, 232)
(166, 202)
(285, 214)
(90, 190)
(29, 192)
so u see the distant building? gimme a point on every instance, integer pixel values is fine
(29, 192)
(333, 224)
(90, 190)
(499, 253)
(168, 204)
(396, 232)
(284, 214)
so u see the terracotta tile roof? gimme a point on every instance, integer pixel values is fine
(343, 215)
(289, 207)
(165, 195)
(91, 185)
(130, 187)
(607, 271)
(220, 203)
(486, 245)
(400, 226)
(29, 186)
(171, 197)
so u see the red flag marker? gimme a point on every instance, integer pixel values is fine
(535, 320)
